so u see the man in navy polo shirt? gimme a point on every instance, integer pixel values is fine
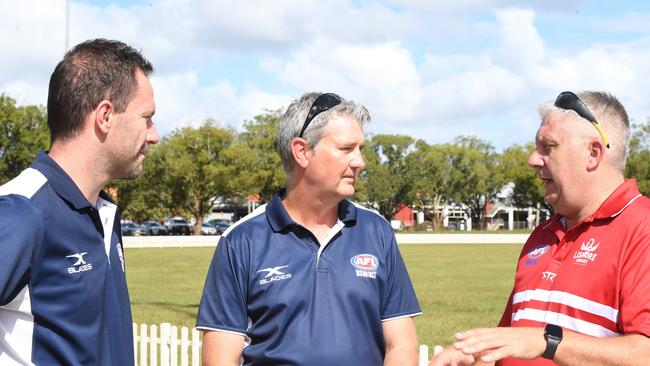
(311, 278)
(63, 294)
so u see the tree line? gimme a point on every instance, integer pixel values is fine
(192, 167)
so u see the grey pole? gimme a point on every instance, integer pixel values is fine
(67, 25)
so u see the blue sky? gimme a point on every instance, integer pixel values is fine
(429, 69)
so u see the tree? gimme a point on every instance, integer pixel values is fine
(432, 174)
(197, 167)
(23, 133)
(527, 190)
(482, 179)
(383, 177)
(638, 161)
(257, 151)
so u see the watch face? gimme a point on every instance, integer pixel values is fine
(553, 330)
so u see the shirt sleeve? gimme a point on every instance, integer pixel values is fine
(223, 304)
(21, 234)
(634, 312)
(399, 298)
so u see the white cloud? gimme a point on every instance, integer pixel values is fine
(182, 101)
(431, 70)
(33, 38)
(520, 46)
(383, 77)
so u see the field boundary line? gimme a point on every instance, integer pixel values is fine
(211, 241)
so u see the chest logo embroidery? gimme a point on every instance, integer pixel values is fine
(586, 254)
(366, 265)
(548, 276)
(80, 264)
(274, 274)
(536, 253)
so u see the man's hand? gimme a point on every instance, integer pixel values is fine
(450, 356)
(496, 343)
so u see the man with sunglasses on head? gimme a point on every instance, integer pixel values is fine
(582, 288)
(311, 278)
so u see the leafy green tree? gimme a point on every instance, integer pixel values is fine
(383, 180)
(432, 174)
(482, 179)
(638, 161)
(528, 190)
(257, 152)
(23, 133)
(196, 167)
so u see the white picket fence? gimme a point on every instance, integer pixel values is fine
(159, 345)
(165, 349)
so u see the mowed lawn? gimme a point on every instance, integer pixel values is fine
(459, 286)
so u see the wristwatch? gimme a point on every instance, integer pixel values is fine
(553, 336)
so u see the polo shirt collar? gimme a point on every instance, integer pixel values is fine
(618, 201)
(279, 218)
(60, 181)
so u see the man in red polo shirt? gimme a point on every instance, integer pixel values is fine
(582, 289)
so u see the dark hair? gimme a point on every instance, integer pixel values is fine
(92, 71)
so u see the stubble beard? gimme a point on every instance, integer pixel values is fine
(131, 170)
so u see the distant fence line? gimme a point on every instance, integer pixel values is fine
(211, 241)
(165, 348)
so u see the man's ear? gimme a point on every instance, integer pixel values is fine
(300, 151)
(103, 116)
(596, 154)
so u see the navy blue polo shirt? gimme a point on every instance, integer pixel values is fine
(299, 303)
(63, 294)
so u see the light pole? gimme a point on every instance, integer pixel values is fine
(67, 25)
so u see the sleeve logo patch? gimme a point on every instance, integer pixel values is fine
(366, 265)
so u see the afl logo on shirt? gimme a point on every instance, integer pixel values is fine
(80, 264)
(536, 253)
(366, 265)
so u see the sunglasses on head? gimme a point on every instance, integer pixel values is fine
(568, 100)
(323, 103)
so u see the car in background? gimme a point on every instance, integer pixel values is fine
(155, 228)
(178, 226)
(133, 229)
(221, 225)
(207, 229)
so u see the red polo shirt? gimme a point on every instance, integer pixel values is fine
(593, 278)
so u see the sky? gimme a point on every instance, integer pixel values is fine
(432, 70)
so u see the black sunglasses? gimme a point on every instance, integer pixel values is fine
(568, 100)
(323, 103)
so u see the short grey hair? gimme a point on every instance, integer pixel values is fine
(294, 118)
(609, 113)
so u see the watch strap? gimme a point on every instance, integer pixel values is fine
(553, 336)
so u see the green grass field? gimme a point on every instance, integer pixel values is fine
(459, 286)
